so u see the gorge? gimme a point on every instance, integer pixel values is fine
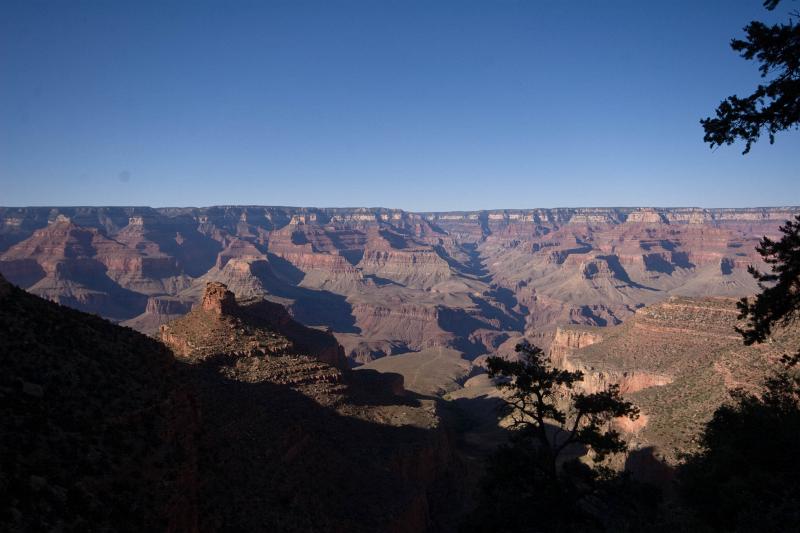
(386, 281)
(287, 344)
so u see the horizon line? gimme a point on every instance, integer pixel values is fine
(374, 208)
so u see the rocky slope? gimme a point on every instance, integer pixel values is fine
(256, 424)
(98, 429)
(677, 360)
(293, 440)
(260, 328)
(387, 281)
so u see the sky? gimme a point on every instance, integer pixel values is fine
(423, 105)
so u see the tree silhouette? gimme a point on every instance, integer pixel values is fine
(778, 303)
(537, 477)
(536, 391)
(745, 476)
(775, 105)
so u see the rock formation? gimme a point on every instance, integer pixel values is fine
(218, 325)
(567, 340)
(218, 299)
(75, 266)
(308, 445)
(158, 311)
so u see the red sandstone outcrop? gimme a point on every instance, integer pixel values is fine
(219, 325)
(218, 299)
(290, 418)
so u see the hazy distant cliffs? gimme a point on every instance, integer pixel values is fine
(385, 280)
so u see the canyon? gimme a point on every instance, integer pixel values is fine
(643, 297)
(260, 348)
(386, 281)
(677, 360)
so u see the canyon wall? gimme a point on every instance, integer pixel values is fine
(387, 281)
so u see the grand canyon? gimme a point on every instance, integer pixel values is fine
(383, 281)
(302, 331)
(577, 310)
(387, 282)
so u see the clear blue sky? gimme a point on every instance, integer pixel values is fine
(416, 104)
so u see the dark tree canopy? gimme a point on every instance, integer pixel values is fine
(536, 482)
(537, 391)
(745, 476)
(775, 105)
(778, 303)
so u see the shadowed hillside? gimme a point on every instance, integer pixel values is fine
(98, 429)
(104, 429)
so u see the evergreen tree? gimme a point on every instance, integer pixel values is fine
(774, 106)
(778, 303)
(536, 482)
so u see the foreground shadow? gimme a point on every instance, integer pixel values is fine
(644, 466)
(273, 458)
(104, 430)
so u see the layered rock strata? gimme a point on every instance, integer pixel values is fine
(476, 278)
